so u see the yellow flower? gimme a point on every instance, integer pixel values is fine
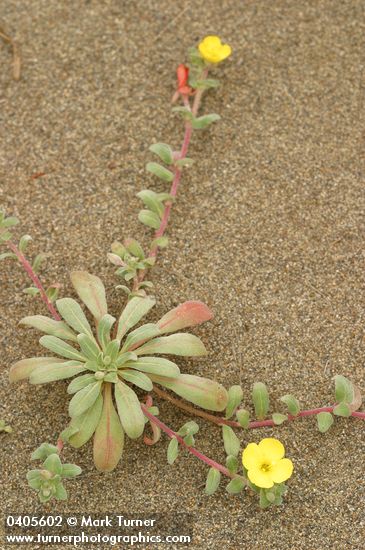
(265, 464)
(212, 49)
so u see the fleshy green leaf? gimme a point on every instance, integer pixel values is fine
(57, 371)
(109, 436)
(104, 327)
(213, 480)
(129, 410)
(23, 243)
(324, 421)
(185, 315)
(172, 450)
(24, 368)
(160, 171)
(137, 378)
(164, 151)
(231, 441)
(70, 470)
(72, 313)
(177, 344)
(344, 390)
(342, 409)
(86, 424)
(201, 391)
(53, 464)
(204, 121)
(84, 399)
(134, 248)
(150, 199)
(235, 395)
(49, 326)
(136, 308)
(91, 291)
(60, 347)
(88, 347)
(80, 382)
(243, 417)
(235, 486)
(37, 262)
(292, 403)
(140, 335)
(279, 418)
(44, 451)
(232, 464)
(155, 365)
(161, 242)
(149, 218)
(260, 398)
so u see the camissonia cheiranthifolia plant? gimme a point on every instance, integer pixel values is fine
(111, 359)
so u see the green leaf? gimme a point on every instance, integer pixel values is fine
(57, 371)
(164, 151)
(112, 350)
(34, 479)
(161, 242)
(189, 428)
(104, 327)
(160, 171)
(235, 486)
(61, 493)
(5, 255)
(150, 199)
(72, 313)
(133, 312)
(155, 365)
(129, 410)
(206, 83)
(292, 403)
(23, 369)
(231, 441)
(88, 347)
(260, 398)
(31, 290)
(203, 392)
(9, 222)
(109, 436)
(149, 218)
(37, 262)
(140, 335)
(80, 382)
(125, 357)
(60, 347)
(184, 163)
(324, 421)
(279, 418)
(53, 464)
(70, 470)
(137, 378)
(43, 451)
(344, 390)
(342, 409)
(204, 121)
(184, 112)
(84, 399)
(213, 479)
(235, 395)
(52, 293)
(243, 417)
(23, 243)
(49, 326)
(232, 464)
(133, 246)
(172, 450)
(91, 291)
(177, 344)
(86, 424)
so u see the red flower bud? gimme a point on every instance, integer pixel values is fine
(182, 76)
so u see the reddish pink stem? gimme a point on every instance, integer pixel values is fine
(33, 276)
(210, 462)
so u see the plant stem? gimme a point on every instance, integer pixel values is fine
(255, 424)
(34, 278)
(176, 181)
(209, 461)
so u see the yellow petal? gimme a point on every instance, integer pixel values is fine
(272, 448)
(282, 470)
(260, 478)
(251, 456)
(225, 51)
(211, 41)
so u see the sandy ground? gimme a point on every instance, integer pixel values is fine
(267, 230)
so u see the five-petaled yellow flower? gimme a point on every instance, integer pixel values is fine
(265, 463)
(212, 49)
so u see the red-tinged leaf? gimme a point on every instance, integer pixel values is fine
(203, 392)
(86, 424)
(357, 400)
(180, 343)
(185, 315)
(129, 409)
(109, 436)
(24, 368)
(156, 434)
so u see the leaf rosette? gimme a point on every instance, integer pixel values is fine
(106, 364)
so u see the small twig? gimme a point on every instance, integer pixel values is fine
(210, 462)
(16, 54)
(220, 421)
(34, 277)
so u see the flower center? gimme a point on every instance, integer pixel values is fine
(265, 467)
